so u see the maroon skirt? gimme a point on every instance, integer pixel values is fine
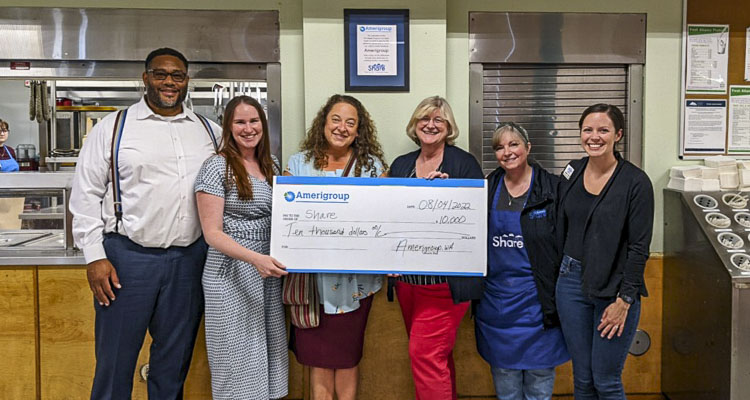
(334, 344)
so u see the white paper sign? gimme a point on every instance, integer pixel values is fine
(370, 225)
(705, 126)
(739, 119)
(747, 54)
(376, 50)
(707, 58)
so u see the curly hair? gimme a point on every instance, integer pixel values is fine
(366, 146)
(236, 174)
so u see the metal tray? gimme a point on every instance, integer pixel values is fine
(17, 238)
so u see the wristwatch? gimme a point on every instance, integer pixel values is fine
(626, 298)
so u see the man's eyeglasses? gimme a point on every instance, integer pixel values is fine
(160, 75)
(4, 130)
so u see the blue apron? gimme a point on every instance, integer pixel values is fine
(509, 328)
(9, 165)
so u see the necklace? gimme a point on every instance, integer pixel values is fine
(523, 183)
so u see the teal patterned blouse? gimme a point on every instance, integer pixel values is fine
(339, 293)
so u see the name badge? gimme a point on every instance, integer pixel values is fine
(568, 171)
(536, 214)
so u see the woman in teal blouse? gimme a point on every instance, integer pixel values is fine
(342, 139)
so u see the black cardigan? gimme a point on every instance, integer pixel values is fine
(457, 164)
(538, 228)
(617, 231)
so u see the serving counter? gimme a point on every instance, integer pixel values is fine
(35, 224)
(47, 318)
(46, 306)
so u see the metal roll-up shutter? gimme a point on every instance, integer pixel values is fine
(548, 100)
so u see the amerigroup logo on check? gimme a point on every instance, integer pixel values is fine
(316, 197)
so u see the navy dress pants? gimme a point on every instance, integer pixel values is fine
(162, 293)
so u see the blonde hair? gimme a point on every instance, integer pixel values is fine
(427, 107)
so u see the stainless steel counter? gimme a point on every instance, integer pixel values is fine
(705, 351)
(36, 180)
(42, 257)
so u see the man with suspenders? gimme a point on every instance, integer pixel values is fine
(135, 218)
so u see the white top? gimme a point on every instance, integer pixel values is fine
(159, 158)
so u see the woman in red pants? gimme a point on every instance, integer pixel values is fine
(433, 306)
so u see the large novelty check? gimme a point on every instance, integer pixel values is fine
(380, 225)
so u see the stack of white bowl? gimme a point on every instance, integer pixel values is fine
(729, 177)
(694, 178)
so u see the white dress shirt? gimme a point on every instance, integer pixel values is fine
(159, 158)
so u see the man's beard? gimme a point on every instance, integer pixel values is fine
(155, 99)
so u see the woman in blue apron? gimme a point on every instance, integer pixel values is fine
(517, 328)
(7, 155)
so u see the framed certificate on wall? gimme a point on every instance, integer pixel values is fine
(376, 50)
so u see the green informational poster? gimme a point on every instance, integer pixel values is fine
(739, 119)
(707, 59)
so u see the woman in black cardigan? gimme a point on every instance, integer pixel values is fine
(432, 306)
(605, 221)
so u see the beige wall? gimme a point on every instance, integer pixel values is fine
(312, 59)
(440, 58)
(324, 64)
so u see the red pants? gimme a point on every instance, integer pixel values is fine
(432, 323)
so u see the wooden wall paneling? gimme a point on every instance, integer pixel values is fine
(473, 376)
(140, 389)
(643, 374)
(385, 370)
(66, 327)
(66, 333)
(198, 382)
(66, 315)
(299, 376)
(18, 369)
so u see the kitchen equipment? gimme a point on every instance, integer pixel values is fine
(72, 124)
(63, 101)
(706, 292)
(19, 238)
(44, 212)
(26, 157)
(218, 92)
